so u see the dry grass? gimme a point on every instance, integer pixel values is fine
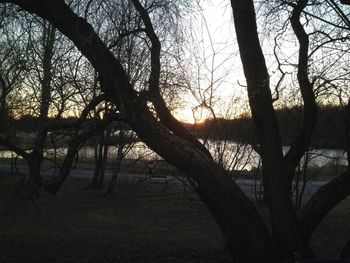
(140, 224)
(81, 225)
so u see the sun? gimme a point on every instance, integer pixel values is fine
(192, 115)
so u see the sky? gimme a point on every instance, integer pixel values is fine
(219, 69)
(216, 42)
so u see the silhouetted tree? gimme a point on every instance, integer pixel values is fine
(248, 238)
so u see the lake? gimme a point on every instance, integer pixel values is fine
(230, 154)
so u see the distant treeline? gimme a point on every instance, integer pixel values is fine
(28, 123)
(329, 131)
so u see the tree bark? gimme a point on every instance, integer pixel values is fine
(285, 226)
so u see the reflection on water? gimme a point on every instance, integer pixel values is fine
(230, 154)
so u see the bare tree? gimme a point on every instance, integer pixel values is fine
(125, 142)
(168, 138)
(248, 238)
(277, 174)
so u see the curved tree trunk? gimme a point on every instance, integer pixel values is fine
(301, 143)
(323, 201)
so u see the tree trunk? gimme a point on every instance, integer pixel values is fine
(285, 226)
(115, 173)
(104, 158)
(117, 166)
(99, 150)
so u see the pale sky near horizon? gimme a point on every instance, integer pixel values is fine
(216, 35)
(222, 67)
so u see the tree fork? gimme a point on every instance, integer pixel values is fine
(285, 226)
(248, 239)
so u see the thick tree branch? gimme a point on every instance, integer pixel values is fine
(162, 110)
(12, 147)
(323, 201)
(302, 140)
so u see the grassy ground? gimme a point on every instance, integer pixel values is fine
(81, 225)
(137, 224)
